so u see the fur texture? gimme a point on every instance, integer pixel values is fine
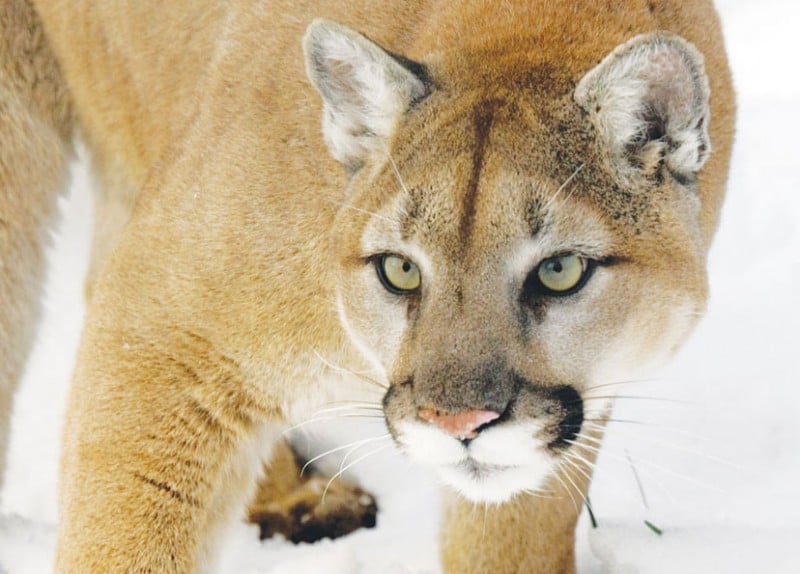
(35, 129)
(251, 196)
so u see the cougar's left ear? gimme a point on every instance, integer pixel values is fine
(648, 100)
(364, 90)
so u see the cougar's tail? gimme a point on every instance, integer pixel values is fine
(36, 124)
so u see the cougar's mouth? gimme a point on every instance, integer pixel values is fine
(486, 455)
(494, 466)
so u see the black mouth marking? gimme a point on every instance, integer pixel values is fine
(571, 407)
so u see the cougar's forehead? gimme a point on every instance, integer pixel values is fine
(482, 178)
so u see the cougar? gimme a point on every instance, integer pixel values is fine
(493, 210)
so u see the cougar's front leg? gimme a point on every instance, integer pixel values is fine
(531, 534)
(160, 450)
(35, 130)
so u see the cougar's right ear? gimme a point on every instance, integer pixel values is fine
(648, 101)
(364, 90)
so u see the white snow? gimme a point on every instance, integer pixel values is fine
(716, 455)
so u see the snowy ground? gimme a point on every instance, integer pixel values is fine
(717, 466)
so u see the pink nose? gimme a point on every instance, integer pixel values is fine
(463, 425)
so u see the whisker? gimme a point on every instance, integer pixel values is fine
(355, 407)
(338, 448)
(618, 383)
(397, 173)
(563, 185)
(355, 448)
(569, 477)
(353, 402)
(590, 438)
(679, 448)
(636, 398)
(650, 473)
(559, 470)
(329, 418)
(576, 459)
(573, 453)
(354, 208)
(590, 424)
(356, 461)
(652, 465)
(359, 375)
(587, 501)
(538, 493)
(621, 421)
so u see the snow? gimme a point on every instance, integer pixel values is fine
(711, 459)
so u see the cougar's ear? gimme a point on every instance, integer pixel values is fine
(648, 101)
(364, 90)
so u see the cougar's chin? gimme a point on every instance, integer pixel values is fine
(492, 468)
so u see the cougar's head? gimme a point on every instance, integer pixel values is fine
(514, 241)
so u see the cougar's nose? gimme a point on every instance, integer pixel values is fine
(463, 426)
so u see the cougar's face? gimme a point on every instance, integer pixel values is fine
(500, 280)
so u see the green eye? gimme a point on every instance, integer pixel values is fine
(399, 275)
(563, 274)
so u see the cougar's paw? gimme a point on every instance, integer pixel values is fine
(304, 515)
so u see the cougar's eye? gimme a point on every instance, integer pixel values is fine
(562, 274)
(399, 275)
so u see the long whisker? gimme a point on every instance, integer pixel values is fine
(575, 454)
(578, 461)
(590, 438)
(679, 448)
(355, 407)
(563, 186)
(651, 474)
(538, 493)
(560, 470)
(587, 501)
(354, 208)
(621, 421)
(356, 461)
(355, 448)
(652, 465)
(359, 375)
(590, 425)
(569, 477)
(338, 448)
(634, 398)
(618, 383)
(336, 367)
(329, 418)
(350, 402)
(397, 173)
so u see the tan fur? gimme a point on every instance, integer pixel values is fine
(222, 295)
